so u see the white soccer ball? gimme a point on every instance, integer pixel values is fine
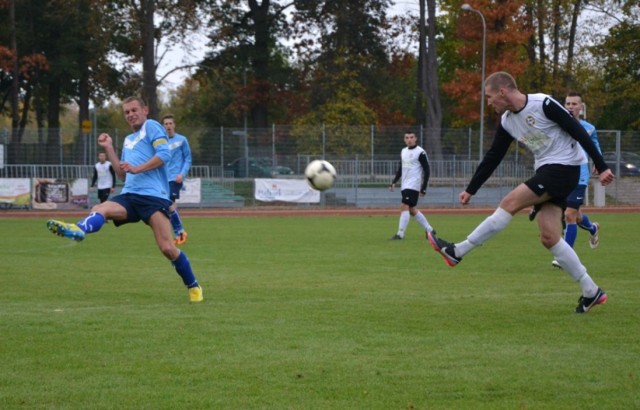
(320, 174)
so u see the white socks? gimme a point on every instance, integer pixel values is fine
(420, 218)
(493, 224)
(404, 221)
(569, 261)
(405, 216)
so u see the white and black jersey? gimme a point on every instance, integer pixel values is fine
(414, 169)
(105, 175)
(547, 129)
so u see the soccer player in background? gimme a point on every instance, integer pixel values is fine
(414, 171)
(145, 195)
(178, 168)
(552, 134)
(573, 216)
(105, 176)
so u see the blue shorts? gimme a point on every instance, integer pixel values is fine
(576, 198)
(174, 190)
(140, 207)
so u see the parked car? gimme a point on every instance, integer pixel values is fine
(629, 163)
(257, 167)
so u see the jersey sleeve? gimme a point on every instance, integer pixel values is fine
(499, 147)
(186, 154)
(398, 174)
(426, 172)
(565, 120)
(159, 140)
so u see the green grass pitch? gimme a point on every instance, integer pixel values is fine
(315, 313)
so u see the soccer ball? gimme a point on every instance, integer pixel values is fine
(320, 174)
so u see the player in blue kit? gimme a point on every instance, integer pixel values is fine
(145, 195)
(558, 143)
(178, 168)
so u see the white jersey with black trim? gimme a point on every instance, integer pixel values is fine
(412, 171)
(104, 177)
(548, 142)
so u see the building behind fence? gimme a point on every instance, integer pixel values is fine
(228, 159)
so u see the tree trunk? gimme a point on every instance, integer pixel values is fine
(421, 78)
(260, 64)
(14, 151)
(54, 142)
(149, 80)
(434, 106)
(568, 79)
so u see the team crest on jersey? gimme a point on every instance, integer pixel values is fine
(531, 121)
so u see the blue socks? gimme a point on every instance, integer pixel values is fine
(586, 224)
(92, 223)
(570, 234)
(174, 217)
(183, 267)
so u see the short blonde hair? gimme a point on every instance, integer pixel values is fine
(501, 79)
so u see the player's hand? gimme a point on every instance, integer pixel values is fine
(126, 167)
(423, 193)
(606, 177)
(464, 197)
(179, 178)
(104, 140)
(391, 187)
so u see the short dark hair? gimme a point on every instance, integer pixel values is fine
(574, 94)
(167, 117)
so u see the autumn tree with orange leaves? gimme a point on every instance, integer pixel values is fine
(506, 39)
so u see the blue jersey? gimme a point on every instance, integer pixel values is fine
(149, 141)
(180, 161)
(585, 172)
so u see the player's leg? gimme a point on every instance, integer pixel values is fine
(551, 238)
(421, 219)
(174, 215)
(161, 227)
(404, 217)
(592, 227)
(91, 223)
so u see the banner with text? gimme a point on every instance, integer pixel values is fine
(287, 190)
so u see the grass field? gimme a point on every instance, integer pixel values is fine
(315, 313)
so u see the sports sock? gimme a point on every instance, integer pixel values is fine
(404, 221)
(92, 223)
(176, 222)
(570, 263)
(493, 224)
(570, 234)
(586, 224)
(183, 267)
(422, 220)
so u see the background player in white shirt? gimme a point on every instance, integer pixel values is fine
(414, 171)
(104, 176)
(555, 138)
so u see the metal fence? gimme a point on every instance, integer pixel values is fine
(366, 159)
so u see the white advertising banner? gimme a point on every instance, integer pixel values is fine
(287, 190)
(15, 191)
(190, 193)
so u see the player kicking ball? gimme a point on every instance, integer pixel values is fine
(552, 134)
(145, 195)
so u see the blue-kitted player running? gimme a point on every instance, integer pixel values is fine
(178, 168)
(145, 195)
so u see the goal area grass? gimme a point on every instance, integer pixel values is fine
(316, 313)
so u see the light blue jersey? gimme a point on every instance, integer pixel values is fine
(180, 161)
(149, 141)
(585, 172)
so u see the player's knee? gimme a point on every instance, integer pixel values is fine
(548, 239)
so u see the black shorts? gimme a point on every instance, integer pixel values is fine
(140, 207)
(410, 197)
(174, 190)
(103, 194)
(555, 180)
